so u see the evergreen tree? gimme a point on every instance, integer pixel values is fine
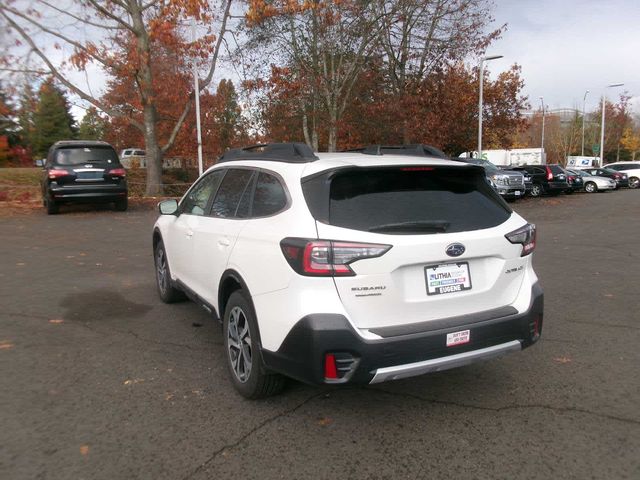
(26, 112)
(228, 117)
(52, 120)
(7, 128)
(92, 126)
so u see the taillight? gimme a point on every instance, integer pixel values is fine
(55, 173)
(327, 258)
(526, 236)
(549, 174)
(117, 172)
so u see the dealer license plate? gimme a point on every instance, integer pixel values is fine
(458, 338)
(447, 278)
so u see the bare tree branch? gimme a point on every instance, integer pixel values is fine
(56, 73)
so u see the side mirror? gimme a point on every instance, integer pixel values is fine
(40, 162)
(168, 207)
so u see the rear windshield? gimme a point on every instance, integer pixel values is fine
(80, 155)
(556, 168)
(409, 200)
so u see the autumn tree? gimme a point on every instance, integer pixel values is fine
(420, 36)
(52, 120)
(443, 109)
(324, 45)
(630, 140)
(120, 40)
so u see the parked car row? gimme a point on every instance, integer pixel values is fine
(555, 179)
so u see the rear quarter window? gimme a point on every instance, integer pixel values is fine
(408, 200)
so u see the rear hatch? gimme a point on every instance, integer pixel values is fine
(87, 166)
(446, 230)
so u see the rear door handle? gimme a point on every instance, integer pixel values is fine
(224, 242)
(189, 233)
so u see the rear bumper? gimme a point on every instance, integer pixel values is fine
(301, 355)
(89, 193)
(556, 186)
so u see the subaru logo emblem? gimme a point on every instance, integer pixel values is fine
(455, 250)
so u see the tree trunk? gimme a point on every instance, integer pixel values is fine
(333, 128)
(154, 155)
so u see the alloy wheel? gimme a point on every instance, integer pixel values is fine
(239, 345)
(161, 270)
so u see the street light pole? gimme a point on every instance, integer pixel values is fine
(584, 102)
(481, 75)
(196, 92)
(604, 95)
(542, 159)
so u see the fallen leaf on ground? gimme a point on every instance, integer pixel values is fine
(134, 381)
(562, 360)
(84, 449)
(608, 295)
(20, 264)
(325, 421)
(56, 321)
(5, 345)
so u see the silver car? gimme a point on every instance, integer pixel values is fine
(594, 183)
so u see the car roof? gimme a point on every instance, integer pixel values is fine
(331, 161)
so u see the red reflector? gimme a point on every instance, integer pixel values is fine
(330, 370)
(536, 325)
(416, 169)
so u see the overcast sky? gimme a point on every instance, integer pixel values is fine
(568, 46)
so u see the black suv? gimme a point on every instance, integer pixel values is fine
(550, 179)
(79, 171)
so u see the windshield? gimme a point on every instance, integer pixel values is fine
(80, 155)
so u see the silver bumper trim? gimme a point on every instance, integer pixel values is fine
(444, 363)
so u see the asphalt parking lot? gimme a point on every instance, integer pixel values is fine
(100, 380)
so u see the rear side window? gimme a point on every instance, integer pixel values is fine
(79, 155)
(230, 192)
(411, 200)
(556, 169)
(269, 197)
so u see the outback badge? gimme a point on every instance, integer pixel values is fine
(455, 249)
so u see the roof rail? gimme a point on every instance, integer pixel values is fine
(293, 152)
(416, 149)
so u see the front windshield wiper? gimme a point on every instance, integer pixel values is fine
(424, 226)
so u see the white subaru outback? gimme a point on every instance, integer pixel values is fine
(357, 267)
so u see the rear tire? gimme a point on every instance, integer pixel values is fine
(536, 190)
(52, 207)
(167, 292)
(590, 187)
(242, 346)
(122, 205)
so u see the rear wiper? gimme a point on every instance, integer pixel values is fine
(426, 226)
